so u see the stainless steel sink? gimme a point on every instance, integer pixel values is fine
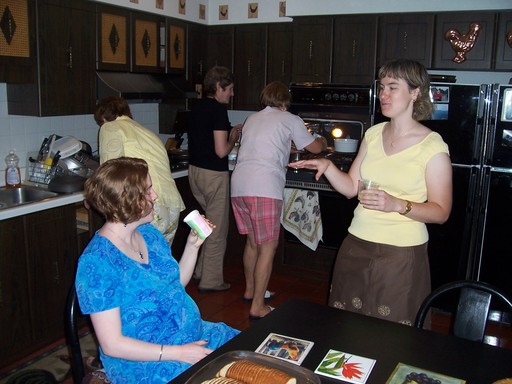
(24, 195)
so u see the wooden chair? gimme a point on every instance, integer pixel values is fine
(78, 370)
(472, 312)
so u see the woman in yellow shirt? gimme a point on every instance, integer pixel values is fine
(382, 267)
(121, 136)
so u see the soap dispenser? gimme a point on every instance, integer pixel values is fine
(12, 172)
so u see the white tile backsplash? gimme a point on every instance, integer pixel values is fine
(25, 133)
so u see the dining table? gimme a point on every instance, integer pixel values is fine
(386, 342)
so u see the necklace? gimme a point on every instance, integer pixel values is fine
(138, 252)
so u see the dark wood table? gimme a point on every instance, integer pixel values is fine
(387, 342)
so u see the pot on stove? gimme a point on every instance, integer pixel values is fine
(345, 145)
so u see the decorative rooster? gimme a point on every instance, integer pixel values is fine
(462, 44)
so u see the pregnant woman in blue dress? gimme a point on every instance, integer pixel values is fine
(149, 329)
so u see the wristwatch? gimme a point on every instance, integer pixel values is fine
(408, 208)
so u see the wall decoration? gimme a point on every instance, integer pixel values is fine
(461, 43)
(159, 4)
(252, 10)
(223, 12)
(202, 12)
(134, 1)
(182, 8)
(282, 8)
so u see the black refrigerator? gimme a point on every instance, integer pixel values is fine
(473, 243)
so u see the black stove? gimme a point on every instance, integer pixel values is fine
(305, 178)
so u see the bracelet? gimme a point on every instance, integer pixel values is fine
(161, 352)
(408, 208)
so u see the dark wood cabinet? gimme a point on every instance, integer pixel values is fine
(17, 41)
(197, 63)
(176, 43)
(406, 36)
(312, 48)
(15, 320)
(148, 52)
(470, 46)
(504, 42)
(279, 52)
(219, 46)
(37, 265)
(354, 51)
(249, 65)
(64, 75)
(113, 48)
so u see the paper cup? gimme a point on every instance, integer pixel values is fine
(197, 222)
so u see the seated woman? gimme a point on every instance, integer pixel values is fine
(148, 327)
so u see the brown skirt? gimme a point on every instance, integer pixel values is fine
(380, 280)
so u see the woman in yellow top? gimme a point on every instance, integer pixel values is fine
(382, 267)
(121, 136)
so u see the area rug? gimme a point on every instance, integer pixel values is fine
(53, 366)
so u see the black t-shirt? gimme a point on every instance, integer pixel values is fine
(207, 115)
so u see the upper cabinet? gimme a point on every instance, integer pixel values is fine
(176, 47)
(196, 63)
(406, 36)
(504, 42)
(113, 38)
(279, 52)
(464, 40)
(17, 40)
(312, 48)
(219, 46)
(64, 76)
(148, 51)
(354, 56)
(249, 65)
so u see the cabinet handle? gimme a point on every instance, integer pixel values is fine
(405, 41)
(56, 276)
(310, 49)
(70, 57)
(248, 68)
(1, 293)
(200, 67)
(354, 48)
(282, 68)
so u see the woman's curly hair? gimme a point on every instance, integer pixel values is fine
(118, 190)
(416, 76)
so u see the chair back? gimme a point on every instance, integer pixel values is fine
(472, 310)
(73, 337)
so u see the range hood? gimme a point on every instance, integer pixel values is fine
(145, 87)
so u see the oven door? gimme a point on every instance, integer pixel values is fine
(331, 129)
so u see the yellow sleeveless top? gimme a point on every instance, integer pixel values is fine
(401, 175)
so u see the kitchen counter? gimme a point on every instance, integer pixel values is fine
(58, 201)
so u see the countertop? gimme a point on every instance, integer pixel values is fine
(58, 201)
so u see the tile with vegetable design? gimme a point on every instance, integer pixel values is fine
(344, 366)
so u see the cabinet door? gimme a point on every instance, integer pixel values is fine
(52, 253)
(279, 52)
(406, 36)
(467, 46)
(148, 54)
(249, 66)
(219, 47)
(504, 42)
(15, 330)
(65, 82)
(177, 47)
(113, 47)
(197, 37)
(355, 49)
(17, 41)
(312, 47)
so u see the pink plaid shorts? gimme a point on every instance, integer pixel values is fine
(260, 216)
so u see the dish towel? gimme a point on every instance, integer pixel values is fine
(301, 216)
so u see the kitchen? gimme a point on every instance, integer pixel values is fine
(25, 133)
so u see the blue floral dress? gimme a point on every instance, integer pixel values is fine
(154, 306)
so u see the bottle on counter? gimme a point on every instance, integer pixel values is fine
(12, 171)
